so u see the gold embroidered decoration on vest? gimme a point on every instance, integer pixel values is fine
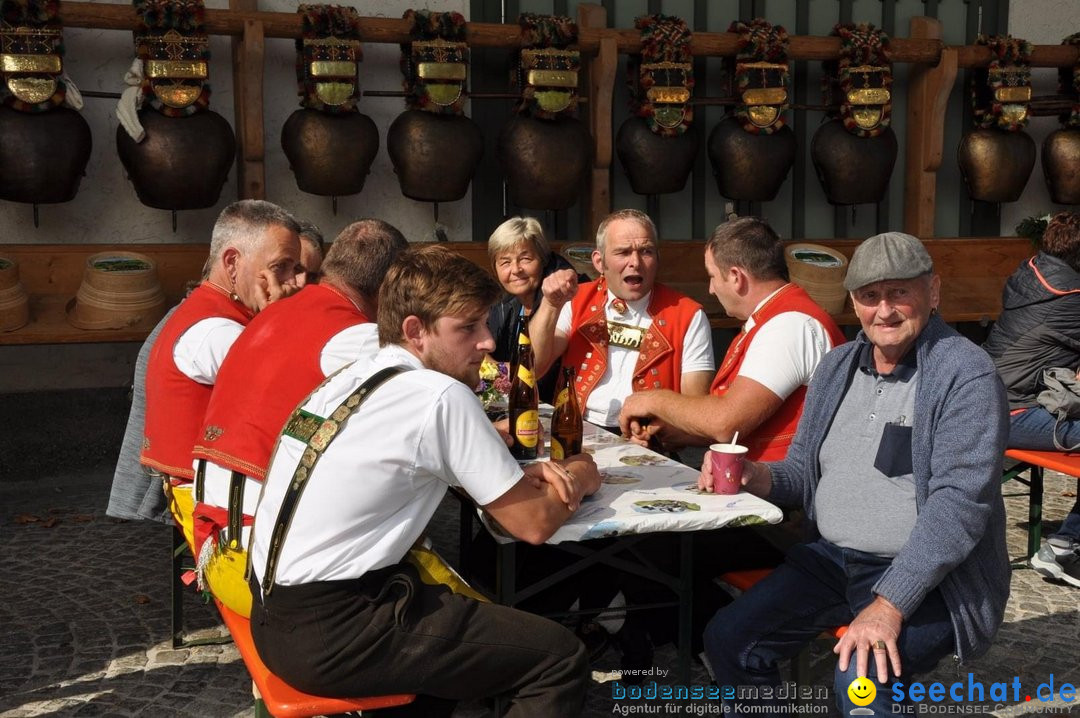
(625, 335)
(1001, 91)
(327, 58)
(545, 71)
(859, 84)
(31, 55)
(661, 78)
(213, 433)
(760, 71)
(175, 50)
(435, 63)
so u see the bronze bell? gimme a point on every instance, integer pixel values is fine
(545, 161)
(434, 156)
(182, 163)
(747, 166)
(1061, 165)
(44, 155)
(851, 169)
(330, 155)
(655, 164)
(996, 163)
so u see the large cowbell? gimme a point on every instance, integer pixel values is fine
(434, 156)
(183, 162)
(655, 164)
(852, 169)
(996, 163)
(1061, 165)
(45, 146)
(750, 167)
(545, 161)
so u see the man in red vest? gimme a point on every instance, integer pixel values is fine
(282, 355)
(254, 250)
(759, 388)
(624, 332)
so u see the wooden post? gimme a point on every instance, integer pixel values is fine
(928, 95)
(248, 52)
(601, 71)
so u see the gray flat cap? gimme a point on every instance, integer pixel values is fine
(890, 255)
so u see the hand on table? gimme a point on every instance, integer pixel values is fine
(879, 623)
(572, 478)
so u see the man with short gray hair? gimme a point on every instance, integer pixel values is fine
(896, 461)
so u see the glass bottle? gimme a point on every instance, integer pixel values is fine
(524, 400)
(566, 424)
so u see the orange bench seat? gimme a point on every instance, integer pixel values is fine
(279, 699)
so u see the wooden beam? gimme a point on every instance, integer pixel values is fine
(928, 95)
(601, 70)
(248, 54)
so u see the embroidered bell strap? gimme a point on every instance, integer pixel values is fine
(317, 433)
(175, 50)
(661, 78)
(761, 73)
(860, 82)
(1069, 85)
(328, 54)
(545, 71)
(1000, 92)
(31, 55)
(435, 63)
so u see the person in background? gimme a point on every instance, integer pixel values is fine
(254, 250)
(759, 388)
(373, 483)
(521, 259)
(897, 462)
(624, 332)
(1039, 328)
(312, 249)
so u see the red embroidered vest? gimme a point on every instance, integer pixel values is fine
(175, 405)
(271, 367)
(770, 441)
(659, 363)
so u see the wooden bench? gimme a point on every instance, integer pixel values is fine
(973, 274)
(1034, 463)
(274, 697)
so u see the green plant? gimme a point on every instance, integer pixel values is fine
(1033, 227)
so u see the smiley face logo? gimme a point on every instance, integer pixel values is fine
(862, 691)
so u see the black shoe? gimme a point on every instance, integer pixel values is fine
(595, 637)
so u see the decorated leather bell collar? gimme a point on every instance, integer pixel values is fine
(1069, 85)
(329, 54)
(661, 79)
(175, 50)
(546, 71)
(31, 55)
(435, 63)
(761, 73)
(1001, 91)
(860, 82)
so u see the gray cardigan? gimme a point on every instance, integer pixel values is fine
(957, 447)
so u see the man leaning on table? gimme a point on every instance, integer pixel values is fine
(624, 332)
(897, 461)
(353, 483)
(758, 390)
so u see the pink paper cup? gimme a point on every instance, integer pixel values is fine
(727, 467)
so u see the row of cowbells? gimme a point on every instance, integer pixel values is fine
(752, 167)
(996, 164)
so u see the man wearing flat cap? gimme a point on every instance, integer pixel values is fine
(896, 461)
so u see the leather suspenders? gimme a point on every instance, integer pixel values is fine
(317, 432)
(233, 537)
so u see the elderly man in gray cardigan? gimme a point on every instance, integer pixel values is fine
(896, 461)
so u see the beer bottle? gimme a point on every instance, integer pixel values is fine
(524, 401)
(566, 426)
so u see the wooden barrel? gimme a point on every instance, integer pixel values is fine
(820, 271)
(14, 304)
(120, 290)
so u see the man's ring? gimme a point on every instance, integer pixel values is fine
(879, 645)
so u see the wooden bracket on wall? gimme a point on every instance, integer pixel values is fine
(248, 53)
(601, 74)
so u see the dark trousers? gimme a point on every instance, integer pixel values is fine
(1034, 429)
(388, 632)
(818, 587)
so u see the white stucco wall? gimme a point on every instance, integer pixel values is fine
(1042, 22)
(106, 208)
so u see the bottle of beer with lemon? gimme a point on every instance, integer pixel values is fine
(524, 400)
(566, 426)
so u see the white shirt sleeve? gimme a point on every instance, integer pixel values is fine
(785, 352)
(697, 345)
(563, 323)
(200, 350)
(461, 445)
(360, 341)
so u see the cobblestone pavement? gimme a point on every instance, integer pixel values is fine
(84, 619)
